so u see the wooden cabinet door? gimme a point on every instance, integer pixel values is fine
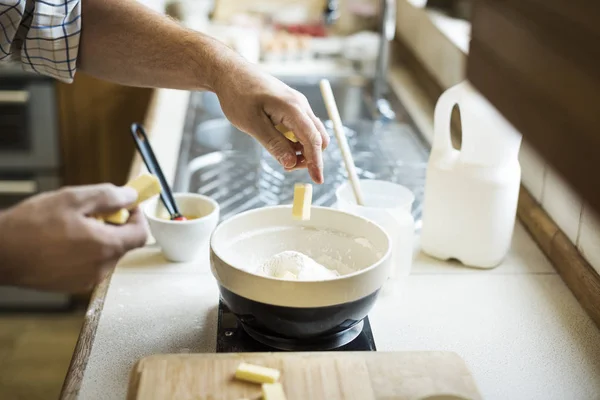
(538, 62)
(95, 117)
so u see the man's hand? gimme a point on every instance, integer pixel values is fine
(50, 242)
(125, 42)
(255, 102)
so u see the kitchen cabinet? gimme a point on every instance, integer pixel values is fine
(94, 120)
(537, 61)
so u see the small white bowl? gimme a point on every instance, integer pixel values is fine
(182, 241)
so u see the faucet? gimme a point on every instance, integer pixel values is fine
(331, 12)
(387, 32)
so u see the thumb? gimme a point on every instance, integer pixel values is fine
(278, 146)
(102, 198)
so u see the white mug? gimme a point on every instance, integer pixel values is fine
(388, 205)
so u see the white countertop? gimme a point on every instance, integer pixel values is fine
(518, 327)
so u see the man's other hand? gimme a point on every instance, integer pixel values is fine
(51, 242)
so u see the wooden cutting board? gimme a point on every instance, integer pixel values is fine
(305, 376)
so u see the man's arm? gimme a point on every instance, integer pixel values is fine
(125, 42)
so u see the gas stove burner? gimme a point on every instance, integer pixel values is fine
(330, 342)
(234, 337)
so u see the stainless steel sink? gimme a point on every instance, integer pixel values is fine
(218, 160)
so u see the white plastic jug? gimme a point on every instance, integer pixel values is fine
(471, 194)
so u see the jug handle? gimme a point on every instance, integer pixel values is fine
(442, 118)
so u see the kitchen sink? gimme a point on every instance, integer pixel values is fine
(218, 160)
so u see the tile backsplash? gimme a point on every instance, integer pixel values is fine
(563, 205)
(533, 169)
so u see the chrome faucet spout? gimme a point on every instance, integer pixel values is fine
(331, 13)
(387, 32)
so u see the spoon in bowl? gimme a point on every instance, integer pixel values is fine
(145, 150)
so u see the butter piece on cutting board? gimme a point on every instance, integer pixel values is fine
(146, 186)
(287, 133)
(256, 373)
(302, 201)
(273, 391)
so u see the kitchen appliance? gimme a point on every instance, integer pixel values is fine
(294, 314)
(28, 122)
(232, 338)
(307, 376)
(29, 159)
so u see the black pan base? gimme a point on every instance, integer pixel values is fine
(303, 324)
(321, 343)
(232, 338)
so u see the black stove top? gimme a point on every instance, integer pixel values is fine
(232, 338)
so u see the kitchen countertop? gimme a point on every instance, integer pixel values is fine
(518, 327)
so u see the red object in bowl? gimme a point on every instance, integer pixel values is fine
(182, 218)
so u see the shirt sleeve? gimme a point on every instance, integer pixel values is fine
(43, 35)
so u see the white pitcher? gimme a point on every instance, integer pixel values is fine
(471, 194)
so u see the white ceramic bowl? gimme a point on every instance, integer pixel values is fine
(299, 309)
(182, 241)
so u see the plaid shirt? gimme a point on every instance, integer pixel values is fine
(43, 35)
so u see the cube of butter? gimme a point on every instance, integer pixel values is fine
(256, 373)
(287, 133)
(273, 391)
(302, 201)
(146, 186)
(118, 218)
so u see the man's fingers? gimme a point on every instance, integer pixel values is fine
(114, 241)
(306, 132)
(133, 234)
(277, 145)
(100, 198)
(300, 159)
(301, 164)
(321, 128)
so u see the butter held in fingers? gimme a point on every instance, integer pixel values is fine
(118, 218)
(287, 133)
(146, 187)
(302, 201)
